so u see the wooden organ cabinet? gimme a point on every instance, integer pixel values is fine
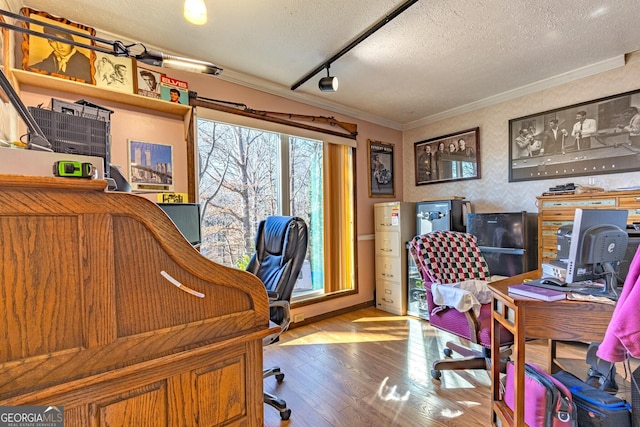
(556, 211)
(109, 312)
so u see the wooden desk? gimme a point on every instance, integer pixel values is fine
(534, 319)
(91, 321)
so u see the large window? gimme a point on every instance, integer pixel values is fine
(247, 174)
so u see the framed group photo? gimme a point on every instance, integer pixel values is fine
(591, 138)
(381, 174)
(446, 158)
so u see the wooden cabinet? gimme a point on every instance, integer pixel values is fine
(93, 318)
(556, 211)
(394, 225)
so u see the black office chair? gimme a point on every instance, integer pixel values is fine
(281, 246)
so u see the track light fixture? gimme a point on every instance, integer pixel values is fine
(328, 84)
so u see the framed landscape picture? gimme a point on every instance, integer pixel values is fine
(150, 166)
(450, 157)
(381, 177)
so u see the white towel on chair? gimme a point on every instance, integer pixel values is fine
(463, 296)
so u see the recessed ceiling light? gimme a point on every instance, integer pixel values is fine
(195, 12)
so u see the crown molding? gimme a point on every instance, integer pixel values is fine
(589, 70)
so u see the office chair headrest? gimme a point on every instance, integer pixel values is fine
(278, 233)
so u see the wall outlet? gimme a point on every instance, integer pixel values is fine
(298, 318)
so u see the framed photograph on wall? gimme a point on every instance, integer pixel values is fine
(42, 56)
(148, 82)
(452, 157)
(596, 137)
(115, 73)
(381, 175)
(150, 166)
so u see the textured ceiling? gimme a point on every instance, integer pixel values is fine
(438, 55)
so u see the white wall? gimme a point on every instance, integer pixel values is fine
(493, 191)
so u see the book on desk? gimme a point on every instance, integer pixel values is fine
(536, 292)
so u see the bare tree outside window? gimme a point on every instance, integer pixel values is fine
(241, 182)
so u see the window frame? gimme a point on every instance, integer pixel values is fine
(289, 131)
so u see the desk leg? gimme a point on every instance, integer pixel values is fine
(495, 357)
(519, 361)
(552, 366)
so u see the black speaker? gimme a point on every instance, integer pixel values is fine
(635, 397)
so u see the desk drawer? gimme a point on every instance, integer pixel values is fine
(579, 203)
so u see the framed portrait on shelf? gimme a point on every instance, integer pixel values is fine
(57, 58)
(591, 138)
(148, 82)
(381, 174)
(115, 73)
(452, 157)
(150, 166)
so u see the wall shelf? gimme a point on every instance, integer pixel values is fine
(83, 89)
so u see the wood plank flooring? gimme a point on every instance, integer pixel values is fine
(371, 368)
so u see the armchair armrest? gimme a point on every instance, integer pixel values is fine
(285, 307)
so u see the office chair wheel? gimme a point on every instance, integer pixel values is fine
(436, 374)
(279, 377)
(284, 416)
(447, 352)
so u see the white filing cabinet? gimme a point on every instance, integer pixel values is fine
(395, 224)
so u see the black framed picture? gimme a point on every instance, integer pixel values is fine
(596, 137)
(450, 157)
(381, 177)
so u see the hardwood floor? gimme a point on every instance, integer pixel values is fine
(371, 368)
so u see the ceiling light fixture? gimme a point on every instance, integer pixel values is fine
(404, 6)
(195, 12)
(328, 84)
(160, 59)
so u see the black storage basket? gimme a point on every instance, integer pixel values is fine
(74, 135)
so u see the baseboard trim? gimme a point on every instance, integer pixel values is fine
(332, 314)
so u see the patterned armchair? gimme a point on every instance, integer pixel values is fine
(446, 257)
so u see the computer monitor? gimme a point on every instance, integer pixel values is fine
(598, 244)
(186, 217)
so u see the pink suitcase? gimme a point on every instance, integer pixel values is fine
(548, 402)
